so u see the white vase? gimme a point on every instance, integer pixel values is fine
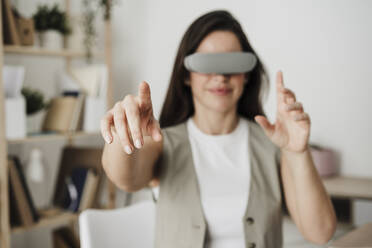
(34, 122)
(36, 174)
(50, 39)
(35, 168)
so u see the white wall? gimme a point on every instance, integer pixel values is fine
(323, 47)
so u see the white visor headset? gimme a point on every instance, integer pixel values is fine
(220, 63)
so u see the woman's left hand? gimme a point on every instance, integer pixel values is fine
(291, 130)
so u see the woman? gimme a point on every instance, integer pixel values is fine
(221, 175)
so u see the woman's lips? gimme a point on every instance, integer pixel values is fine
(221, 91)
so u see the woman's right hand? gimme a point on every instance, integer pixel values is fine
(132, 118)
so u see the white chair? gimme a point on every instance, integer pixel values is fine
(128, 227)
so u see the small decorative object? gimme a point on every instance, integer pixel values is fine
(26, 31)
(52, 25)
(37, 177)
(25, 28)
(34, 104)
(325, 160)
(35, 168)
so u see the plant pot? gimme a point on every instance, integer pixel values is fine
(50, 39)
(34, 122)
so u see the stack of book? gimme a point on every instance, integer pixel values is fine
(64, 113)
(22, 208)
(80, 189)
(78, 179)
(92, 80)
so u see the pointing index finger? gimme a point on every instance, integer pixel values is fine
(144, 92)
(279, 87)
(279, 80)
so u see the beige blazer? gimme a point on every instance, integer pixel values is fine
(180, 220)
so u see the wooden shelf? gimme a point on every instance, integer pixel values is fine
(49, 217)
(52, 137)
(52, 216)
(24, 50)
(349, 187)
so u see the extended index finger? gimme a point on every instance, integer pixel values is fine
(279, 87)
(144, 92)
(279, 80)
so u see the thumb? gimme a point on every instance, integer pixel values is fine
(265, 124)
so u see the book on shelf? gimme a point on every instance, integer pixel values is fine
(65, 237)
(64, 114)
(80, 170)
(81, 184)
(26, 189)
(14, 216)
(58, 241)
(77, 115)
(89, 191)
(10, 33)
(22, 210)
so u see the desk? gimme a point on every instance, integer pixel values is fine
(358, 238)
(349, 187)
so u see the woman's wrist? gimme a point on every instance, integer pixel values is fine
(301, 152)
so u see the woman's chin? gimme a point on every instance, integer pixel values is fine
(222, 107)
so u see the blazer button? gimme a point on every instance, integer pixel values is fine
(251, 245)
(250, 220)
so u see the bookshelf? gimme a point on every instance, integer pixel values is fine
(52, 216)
(10, 49)
(53, 137)
(49, 217)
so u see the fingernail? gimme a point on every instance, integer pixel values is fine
(108, 139)
(128, 149)
(138, 143)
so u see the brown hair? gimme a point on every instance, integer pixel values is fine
(178, 105)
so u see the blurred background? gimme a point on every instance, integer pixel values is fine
(322, 47)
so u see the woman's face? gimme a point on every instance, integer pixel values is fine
(217, 92)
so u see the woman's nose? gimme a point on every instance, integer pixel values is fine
(222, 77)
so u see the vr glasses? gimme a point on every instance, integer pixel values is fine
(220, 63)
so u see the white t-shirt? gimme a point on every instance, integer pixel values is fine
(223, 171)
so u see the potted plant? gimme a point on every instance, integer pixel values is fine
(107, 6)
(90, 33)
(34, 104)
(91, 8)
(52, 26)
